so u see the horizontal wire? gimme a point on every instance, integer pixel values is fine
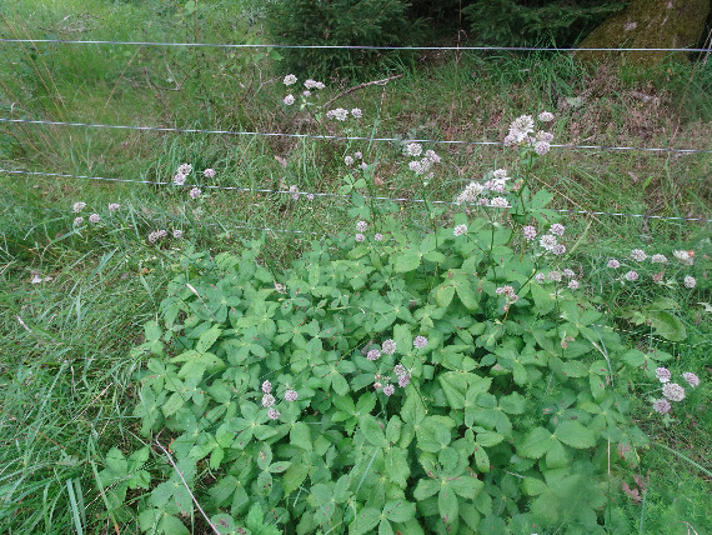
(325, 194)
(337, 138)
(351, 47)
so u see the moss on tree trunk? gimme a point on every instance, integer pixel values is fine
(649, 24)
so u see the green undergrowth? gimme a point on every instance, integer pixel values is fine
(69, 378)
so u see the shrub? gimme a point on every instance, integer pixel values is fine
(433, 383)
(516, 23)
(339, 22)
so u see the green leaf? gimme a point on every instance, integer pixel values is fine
(634, 358)
(170, 525)
(174, 402)
(535, 444)
(467, 486)
(399, 510)
(116, 462)
(482, 460)
(385, 528)
(407, 261)
(151, 331)
(208, 338)
(365, 521)
(573, 434)
(397, 467)
(300, 436)
(557, 457)
(542, 299)
(533, 486)
(454, 386)
(372, 430)
(513, 403)
(444, 294)
(426, 488)
(668, 326)
(467, 295)
(294, 477)
(447, 505)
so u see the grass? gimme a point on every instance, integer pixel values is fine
(67, 375)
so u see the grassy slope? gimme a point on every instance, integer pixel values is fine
(66, 376)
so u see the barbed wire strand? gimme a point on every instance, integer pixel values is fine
(175, 130)
(483, 48)
(565, 211)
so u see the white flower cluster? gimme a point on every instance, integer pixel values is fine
(521, 132)
(423, 166)
(349, 160)
(182, 173)
(496, 184)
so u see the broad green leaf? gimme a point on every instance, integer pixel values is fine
(557, 457)
(447, 504)
(426, 488)
(573, 434)
(397, 467)
(467, 295)
(482, 460)
(300, 436)
(668, 326)
(542, 299)
(454, 386)
(535, 444)
(466, 486)
(444, 294)
(208, 338)
(533, 486)
(407, 261)
(399, 510)
(372, 430)
(294, 477)
(365, 521)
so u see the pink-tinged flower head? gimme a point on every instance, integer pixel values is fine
(78, 206)
(663, 374)
(288, 100)
(291, 395)
(358, 155)
(548, 242)
(420, 342)
(691, 379)
(267, 387)
(273, 414)
(78, 221)
(432, 156)
(662, 406)
(499, 202)
(185, 169)
(613, 263)
(689, 282)
(554, 276)
(94, 218)
(114, 206)
(569, 273)
(389, 389)
(631, 276)
(573, 284)
(540, 277)
(658, 259)
(348, 160)
(388, 347)
(294, 190)
(310, 196)
(529, 232)
(638, 255)
(673, 391)
(559, 249)
(361, 226)
(357, 113)
(404, 380)
(557, 229)
(340, 114)
(195, 193)
(399, 370)
(179, 179)
(413, 149)
(460, 230)
(363, 166)
(267, 400)
(306, 93)
(685, 257)
(177, 233)
(378, 236)
(520, 128)
(373, 354)
(359, 237)
(209, 173)
(542, 147)
(290, 79)
(546, 117)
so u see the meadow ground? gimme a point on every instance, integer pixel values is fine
(67, 377)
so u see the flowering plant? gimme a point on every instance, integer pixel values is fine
(387, 380)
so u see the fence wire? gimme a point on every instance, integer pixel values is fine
(168, 129)
(483, 48)
(564, 211)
